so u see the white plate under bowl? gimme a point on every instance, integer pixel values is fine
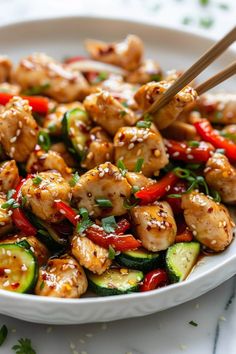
(173, 49)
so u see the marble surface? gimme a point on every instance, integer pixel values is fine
(168, 331)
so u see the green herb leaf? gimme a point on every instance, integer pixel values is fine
(156, 77)
(74, 179)
(37, 180)
(143, 124)
(193, 166)
(83, 225)
(43, 232)
(128, 204)
(42, 285)
(23, 201)
(174, 195)
(206, 22)
(125, 104)
(3, 334)
(120, 164)
(8, 204)
(216, 196)
(148, 117)
(101, 77)
(24, 347)
(220, 151)
(83, 212)
(103, 203)
(111, 252)
(109, 224)
(10, 193)
(231, 136)
(138, 165)
(135, 189)
(44, 140)
(204, 2)
(123, 113)
(193, 143)
(192, 323)
(37, 90)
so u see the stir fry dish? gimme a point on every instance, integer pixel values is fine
(95, 193)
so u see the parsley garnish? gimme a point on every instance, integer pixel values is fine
(111, 252)
(37, 180)
(74, 179)
(109, 224)
(44, 140)
(85, 221)
(138, 165)
(3, 334)
(192, 323)
(24, 347)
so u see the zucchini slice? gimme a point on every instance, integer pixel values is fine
(140, 259)
(18, 268)
(75, 129)
(180, 260)
(115, 281)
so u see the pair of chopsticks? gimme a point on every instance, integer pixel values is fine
(204, 61)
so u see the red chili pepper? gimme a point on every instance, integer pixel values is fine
(74, 59)
(175, 203)
(118, 242)
(154, 279)
(157, 190)
(67, 211)
(209, 134)
(18, 215)
(183, 152)
(122, 226)
(38, 104)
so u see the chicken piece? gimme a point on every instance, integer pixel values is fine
(138, 179)
(180, 131)
(53, 120)
(5, 68)
(89, 255)
(127, 54)
(9, 176)
(155, 225)
(148, 71)
(58, 82)
(106, 182)
(149, 93)
(121, 90)
(61, 149)
(218, 108)
(221, 176)
(40, 161)
(41, 194)
(5, 218)
(18, 129)
(10, 88)
(209, 221)
(37, 247)
(108, 112)
(62, 277)
(132, 143)
(100, 149)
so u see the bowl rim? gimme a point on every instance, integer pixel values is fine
(198, 34)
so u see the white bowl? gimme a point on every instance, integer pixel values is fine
(173, 49)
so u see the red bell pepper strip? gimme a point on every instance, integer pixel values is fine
(74, 59)
(175, 203)
(67, 211)
(185, 236)
(18, 215)
(183, 152)
(38, 104)
(209, 134)
(118, 242)
(122, 226)
(155, 279)
(157, 190)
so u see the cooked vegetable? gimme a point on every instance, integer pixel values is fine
(140, 259)
(38, 104)
(154, 279)
(19, 268)
(180, 260)
(115, 281)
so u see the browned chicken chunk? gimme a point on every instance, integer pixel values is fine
(9, 176)
(5, 68)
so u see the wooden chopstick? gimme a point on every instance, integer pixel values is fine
(205, 60)
(217, 79)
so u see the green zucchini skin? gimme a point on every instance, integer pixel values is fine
(23, 268)
(113, 282)
(180, 260)
(75, 130)
(140, 259)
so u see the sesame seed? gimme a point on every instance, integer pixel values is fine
(157, 153)
(10, 212)
(130, 146)
(6, 283)
(7, 271)
(220, 224)
(18, 132)
(213, 242)
(13, 140)
(24, 268)
(20, 124)
(3, 251)
(175, 154)
(62, 211)
(8, 253)
(194, 233)
(190, 157)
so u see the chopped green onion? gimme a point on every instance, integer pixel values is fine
(102, 76)
(231, 136)
(156, 77)
(148, 117)
(75, 178)
(139, 164)
(10, 193)
(84, 213)
(220, 151)
(8, 204)
(135, 189)
(103, 203)
(216, 196)
(15, 205)
(111, 252)
(143, 124)
(42, 285)
(23, 201)
(181, 172)
(202, 182)
(83, 225)
(44, 140)
(125, 104)
(127, 204)
(37, 180)
(193, 166)
(123, 113)
(3, 334)
(174, 196)
(192, 323)
(52, 127)
(120, 164)
(109, 224)
(193, 143)
(218, 115)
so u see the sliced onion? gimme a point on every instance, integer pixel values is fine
(96, 66)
